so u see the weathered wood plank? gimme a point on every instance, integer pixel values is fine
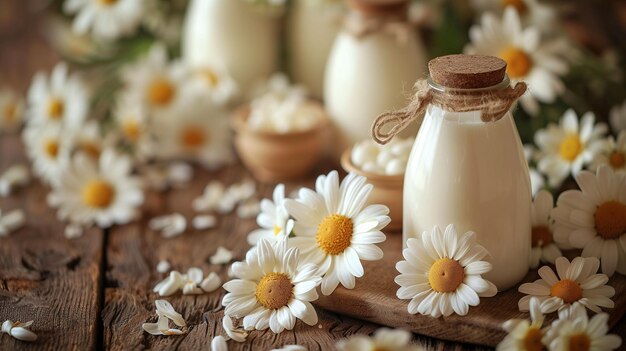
(43, 276)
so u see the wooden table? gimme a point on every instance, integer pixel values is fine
(95, 292)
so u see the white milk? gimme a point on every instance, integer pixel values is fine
(311, 32)
(472, 174)
(231, 34)
(366, 77)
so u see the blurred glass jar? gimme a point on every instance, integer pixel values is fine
(371, 69)
(234, 35)
(312, 28)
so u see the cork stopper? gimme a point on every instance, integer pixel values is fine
(467, 71)
(380, 8)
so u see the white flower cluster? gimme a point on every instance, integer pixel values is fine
(389, 159)
(283, 108)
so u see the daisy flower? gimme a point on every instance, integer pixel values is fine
(578, 283)
(528, 57)
(156, 83)
(336, 230)
(60, 98)
(543, 247)
(105, 19)
(214, 81)
(442, 272)
(524, 335)
(273, 288)
(532, 12)
(613, 155)
(617, 118)
(131, 120)
(273, 219)
(594, 218)
(11, 111)
(49, 151)
(579, 332)
(200, 132)
(565, 148)
(103, 193)
(383, 339)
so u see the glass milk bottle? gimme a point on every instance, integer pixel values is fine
(232, 34)
(312, 28)
(467, 166)
(374, 62)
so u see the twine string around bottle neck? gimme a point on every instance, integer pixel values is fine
(493, 104)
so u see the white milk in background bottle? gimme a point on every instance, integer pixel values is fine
(375, 60)
(467, 165)
(232, 34)
(313, 26)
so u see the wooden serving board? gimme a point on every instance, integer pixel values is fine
(374, 299)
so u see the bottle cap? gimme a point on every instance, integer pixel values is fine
(376, 8)
(467, 71)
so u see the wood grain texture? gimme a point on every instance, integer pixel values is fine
(374, 299)
(45, 277)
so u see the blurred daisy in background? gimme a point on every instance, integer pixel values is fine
(613, 154)
(214, 82)
(442, 273)
(132, 124)
(532, 12)
(199, 132)
(273, 219)
(617, 118)
(101, 192)
(105, 19)
(11, 111)
(89, 139)
(336, 230)
(156, 83)
(383, 339)
(529, 58)
(544, 248)
(60, 98)
(594, 218)
(49, 150)
(273, 287)
(566, 148)
(577, 283)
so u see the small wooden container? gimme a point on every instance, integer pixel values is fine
(387, 190)
(274, 157)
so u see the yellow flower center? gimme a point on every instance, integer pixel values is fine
(570, 147)
(107, 2)
(55, 109)
(274, 291)
(131, 130)
(532, 339)
(210, 76)
(98, 193)
(445, 275)
(568, 290)
(610, 219)
(541, 236)
(192, 137)
(579, 342)
(519, 5)
(92, 149)
(161, 92)
(334, 234)
(10, 112)
(276, 230)
(51, 148)
(518, 62)
(617, 159)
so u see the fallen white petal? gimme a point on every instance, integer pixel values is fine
(219, 344)
(23, 334)
(211, 283)
(192, 289)
(180, 173)
(11, 221)
(6, 326)
(221, 256)
(163, 266)
(170, 225)
(166, 309)
(14, 176)
(237, 334)
(249, 209)
(73, 231)
(170, 285)
(202, 222)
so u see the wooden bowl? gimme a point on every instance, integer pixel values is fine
(274, 157)
(388, 190)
